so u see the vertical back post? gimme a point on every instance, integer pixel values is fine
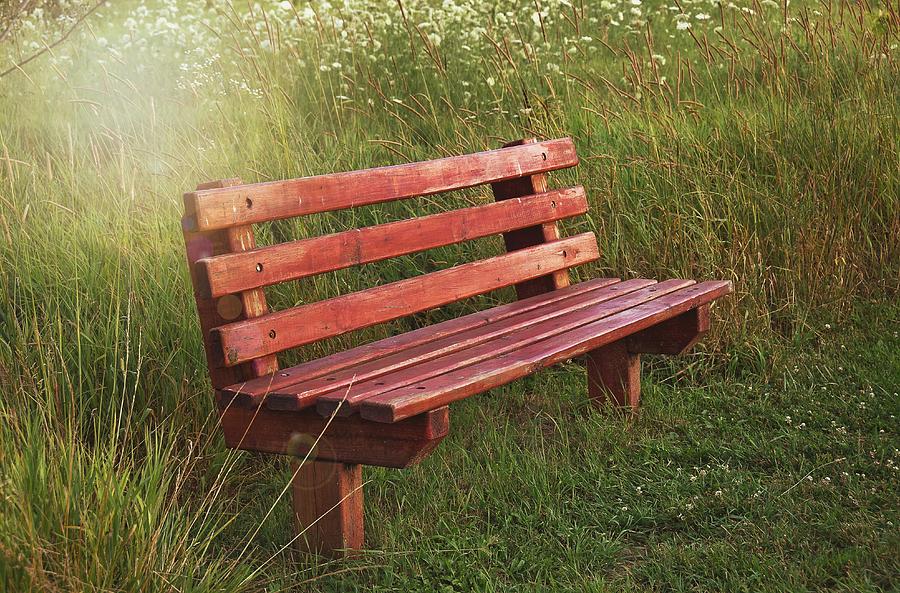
(327, 496)
(215, 312)
(530, 236)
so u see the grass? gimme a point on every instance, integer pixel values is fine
(757, 145)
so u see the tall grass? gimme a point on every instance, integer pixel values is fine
(759, 145)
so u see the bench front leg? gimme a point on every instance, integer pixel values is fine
(328, 507)
(614, 376)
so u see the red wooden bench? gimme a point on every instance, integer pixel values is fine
(385, 403)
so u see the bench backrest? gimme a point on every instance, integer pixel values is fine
(229, 273)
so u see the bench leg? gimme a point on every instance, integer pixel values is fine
(614, 376)
(328, 504)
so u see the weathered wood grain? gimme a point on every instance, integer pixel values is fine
(211, 209)
(252, 338)
(356, 382)
(443, 389)
(501, 343)
(230, 273)
(401, 385)
(254, 391)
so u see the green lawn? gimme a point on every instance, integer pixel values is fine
(733, 141)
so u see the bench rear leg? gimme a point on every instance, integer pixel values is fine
(614, 376)
(328, 505)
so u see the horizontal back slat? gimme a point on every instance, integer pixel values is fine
(231, 273)
(259, 202)
(249, 339)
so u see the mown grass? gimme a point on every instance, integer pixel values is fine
(765, 152)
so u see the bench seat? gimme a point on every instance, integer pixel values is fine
(402, 376)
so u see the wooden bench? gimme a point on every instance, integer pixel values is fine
(385, 403)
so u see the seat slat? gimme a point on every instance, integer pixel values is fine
(249, 339)
(443, 389)
(265, 266)
(255, 390)
(348, 398)
(259, 202)
(335, 385)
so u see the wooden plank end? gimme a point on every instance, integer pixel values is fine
(379, 412)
